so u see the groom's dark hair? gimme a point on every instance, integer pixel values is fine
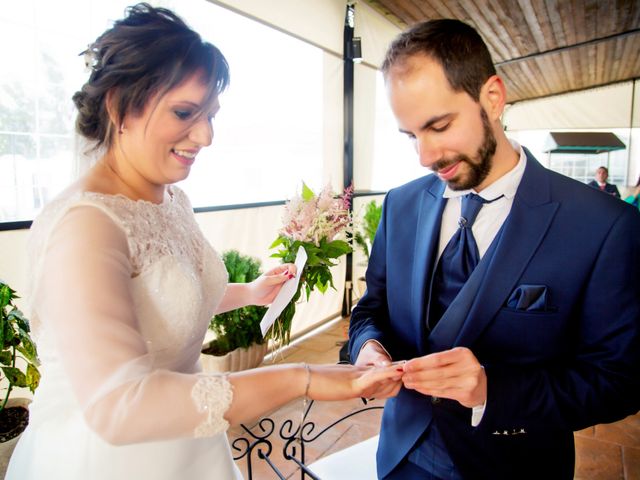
(456, 46)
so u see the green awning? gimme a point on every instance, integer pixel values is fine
(583, 142)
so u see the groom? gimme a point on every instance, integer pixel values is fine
(519, 323)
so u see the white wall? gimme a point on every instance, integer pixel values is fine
(602, 107)
(13, 260)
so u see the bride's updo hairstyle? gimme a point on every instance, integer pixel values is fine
(145, 54)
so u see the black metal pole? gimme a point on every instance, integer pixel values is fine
(347, 55)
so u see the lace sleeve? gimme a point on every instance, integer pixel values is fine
(83, 299)
(213, 395)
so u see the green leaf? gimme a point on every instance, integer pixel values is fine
(6, 295)
(369, 226)
(32, 378)
(372, 219)
(307, 193)
(28, 348)
(322, 287)
(14, 335)
(276, 242)
(313, 259)
(18, 317)
(337, 248)
(15, 377)
(7, 334)
(6, 358)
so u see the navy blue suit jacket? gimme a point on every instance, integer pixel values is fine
(553, 315)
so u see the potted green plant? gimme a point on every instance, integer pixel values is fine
(19, 366)
(364, 235)
(370, 220)
(238, 342)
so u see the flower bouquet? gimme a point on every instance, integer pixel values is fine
(319, 224)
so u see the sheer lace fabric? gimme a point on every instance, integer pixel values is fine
(122, 295)
(213, 398)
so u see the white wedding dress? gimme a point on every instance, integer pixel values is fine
(121, 299)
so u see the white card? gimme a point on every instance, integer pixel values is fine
(285, 294)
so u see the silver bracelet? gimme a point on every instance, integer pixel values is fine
(306, 388)
(305, 400)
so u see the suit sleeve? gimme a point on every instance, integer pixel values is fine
(597, 379)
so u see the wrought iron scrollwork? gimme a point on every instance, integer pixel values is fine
(260, 444)
(294, 439)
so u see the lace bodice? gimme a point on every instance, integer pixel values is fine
(152, 230)
(122, 295)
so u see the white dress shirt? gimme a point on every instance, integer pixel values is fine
(492, 215)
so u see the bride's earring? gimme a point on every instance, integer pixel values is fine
(121, 129)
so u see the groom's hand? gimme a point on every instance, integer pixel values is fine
(454, 374)
(373, 354)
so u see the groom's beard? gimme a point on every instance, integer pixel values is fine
(479, 166)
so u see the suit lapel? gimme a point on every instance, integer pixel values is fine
(427, 235)
(524, 229)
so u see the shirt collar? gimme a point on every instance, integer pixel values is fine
(506, 185)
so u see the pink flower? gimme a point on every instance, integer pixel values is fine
(310, 218)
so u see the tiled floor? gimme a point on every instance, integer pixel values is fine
(610, 451)
(603, 452)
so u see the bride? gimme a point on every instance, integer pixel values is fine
(122, 396)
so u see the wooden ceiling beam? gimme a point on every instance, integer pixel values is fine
(542, 47)
(567, 48)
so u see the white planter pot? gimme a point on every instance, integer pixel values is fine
(6, 448)
(235, 361)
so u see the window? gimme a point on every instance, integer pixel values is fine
(39, 73)
(268, 134)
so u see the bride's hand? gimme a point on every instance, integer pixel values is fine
(341, 382)
(265, 288)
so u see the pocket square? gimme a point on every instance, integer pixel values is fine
(529, 298)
